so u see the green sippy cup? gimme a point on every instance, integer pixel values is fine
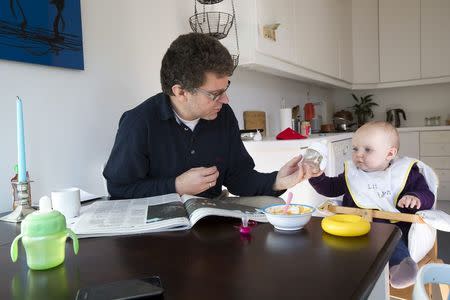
(44, 235)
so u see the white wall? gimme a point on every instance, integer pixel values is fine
(71, 116)
(252, 90)
(418, 102)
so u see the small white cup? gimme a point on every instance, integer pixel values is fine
(67, 202)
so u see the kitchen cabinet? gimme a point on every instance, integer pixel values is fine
(399, 41)
(273, 12)
(345, 47)
(409, 144)
(435, 38)
(353, 44)
(308, 43)
(435, 151)
(317, 35)
(366, 63)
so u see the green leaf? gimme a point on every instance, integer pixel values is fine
(356, 98)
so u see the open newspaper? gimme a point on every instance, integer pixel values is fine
(162, 213)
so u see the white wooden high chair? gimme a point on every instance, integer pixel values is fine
(423, 257)
(438, 274)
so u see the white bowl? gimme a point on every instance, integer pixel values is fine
(298, 216)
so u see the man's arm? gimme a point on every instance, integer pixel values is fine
(241, 178)
(127, 169)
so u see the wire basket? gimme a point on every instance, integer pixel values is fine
(209, 1)
(216, 24)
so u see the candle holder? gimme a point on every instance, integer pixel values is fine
(21, 202)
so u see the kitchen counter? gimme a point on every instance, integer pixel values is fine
(423, 128)
(330, 137)
(337, 136)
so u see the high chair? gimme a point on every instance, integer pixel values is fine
(432, 274)
(369, 215)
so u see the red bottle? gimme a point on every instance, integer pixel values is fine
(309, 111)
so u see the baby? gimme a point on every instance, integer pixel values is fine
(375, 178)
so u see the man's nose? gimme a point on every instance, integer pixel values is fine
(224, 98)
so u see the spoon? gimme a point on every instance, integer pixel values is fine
(288, 202)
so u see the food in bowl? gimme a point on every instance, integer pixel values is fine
(297, 216)
(292, 210)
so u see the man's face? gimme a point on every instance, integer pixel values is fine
(200, 103)
(371, 149)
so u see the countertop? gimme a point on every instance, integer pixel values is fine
(334, 136)
(423, 128)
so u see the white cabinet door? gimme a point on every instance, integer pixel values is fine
(399, 40)
(409, 144)
(317, 35)
(435, 151)
(435, 38)
(366, 63)
(272, 12)
(345, 40)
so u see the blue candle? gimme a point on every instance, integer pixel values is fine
(22, 166)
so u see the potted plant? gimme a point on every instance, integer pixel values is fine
(363, 108)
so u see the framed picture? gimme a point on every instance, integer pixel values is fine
(46, 32)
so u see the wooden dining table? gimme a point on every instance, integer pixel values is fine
(213, 261)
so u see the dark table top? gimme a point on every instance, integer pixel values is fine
(212, 261)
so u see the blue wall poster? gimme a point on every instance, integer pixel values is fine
(44, 32)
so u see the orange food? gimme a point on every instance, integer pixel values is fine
(292, 210)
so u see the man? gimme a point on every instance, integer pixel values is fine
(186, 140)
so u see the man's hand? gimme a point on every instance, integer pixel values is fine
(289, 175)
(409, 201)
(196, 180)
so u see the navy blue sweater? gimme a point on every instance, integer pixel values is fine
(151, 149)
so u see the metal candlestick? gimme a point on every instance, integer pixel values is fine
(22, 202)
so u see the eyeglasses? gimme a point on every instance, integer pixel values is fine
(214, 95)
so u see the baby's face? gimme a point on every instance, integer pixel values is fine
(371, 149)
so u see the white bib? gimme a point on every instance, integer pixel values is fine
(380, 189)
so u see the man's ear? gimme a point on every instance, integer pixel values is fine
(392, 152)
(179, 93)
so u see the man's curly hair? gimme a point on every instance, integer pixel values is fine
(189, 58)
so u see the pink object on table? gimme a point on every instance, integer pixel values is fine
(244, 228)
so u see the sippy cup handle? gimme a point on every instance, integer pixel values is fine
(14, 249)
(74, 238)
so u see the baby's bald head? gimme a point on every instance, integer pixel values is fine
(390, 133)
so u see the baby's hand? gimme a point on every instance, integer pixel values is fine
(409, 201)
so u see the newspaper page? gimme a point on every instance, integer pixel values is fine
(116, 217)
(235, 207)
